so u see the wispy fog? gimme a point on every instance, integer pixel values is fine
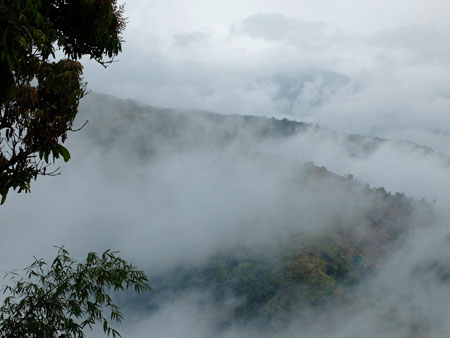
(372, 67)
(172, 189)
(337, 185)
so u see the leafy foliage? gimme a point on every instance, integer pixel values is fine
(62, 299)
(305, 274)
(39, 95)
(297, 279)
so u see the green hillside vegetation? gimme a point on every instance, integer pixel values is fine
(156, 129)
(304, 275)
(272, 286)
(352, 227)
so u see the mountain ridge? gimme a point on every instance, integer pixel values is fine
(358, 146)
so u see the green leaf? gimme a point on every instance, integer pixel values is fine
(55, 153)
(46, 154)
(64, 152)
(3, 198)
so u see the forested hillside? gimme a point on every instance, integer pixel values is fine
(154, 128)
(306, 242)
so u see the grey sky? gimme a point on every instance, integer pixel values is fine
(373, 67)
(222, 56)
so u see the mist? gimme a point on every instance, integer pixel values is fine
(246, 146)
(377, 69)
(173, 189)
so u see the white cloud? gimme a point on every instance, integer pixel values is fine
(225, 57)
(370, 67)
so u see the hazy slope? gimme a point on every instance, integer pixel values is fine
(111, 115)
(241, 235)
(240, 231)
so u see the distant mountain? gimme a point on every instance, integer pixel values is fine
(303, 91)
(110, 117)
(329, 233)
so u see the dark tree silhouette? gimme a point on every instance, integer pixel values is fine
(39, 94)
(66, 297)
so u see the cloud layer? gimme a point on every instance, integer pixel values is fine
(190, 199)
(374, 68)
(228, 57)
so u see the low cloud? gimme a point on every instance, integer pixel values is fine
(425, 45)
(188, 199)
(277, 27)
(189, 202)
(384, 83)
(190, 40)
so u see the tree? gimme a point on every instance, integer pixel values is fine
(39, 95)
(63, 299)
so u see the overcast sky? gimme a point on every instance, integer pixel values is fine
(372, 67)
